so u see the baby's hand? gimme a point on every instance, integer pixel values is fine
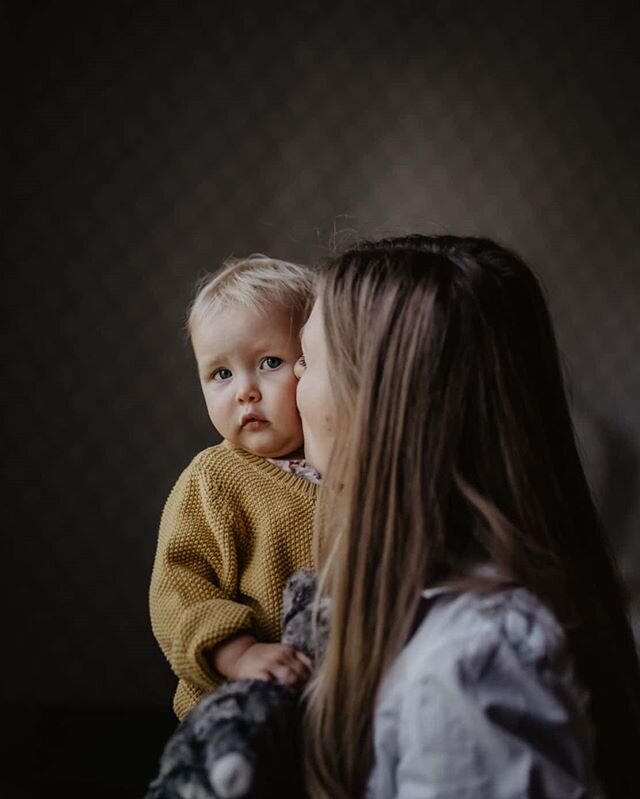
(272, 662)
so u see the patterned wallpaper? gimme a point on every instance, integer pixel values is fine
(150, 140)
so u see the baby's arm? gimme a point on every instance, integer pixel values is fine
(243, 658)
(202, 631)
(195, 579)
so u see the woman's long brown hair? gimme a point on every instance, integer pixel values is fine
(454, 445)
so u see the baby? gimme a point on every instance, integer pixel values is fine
(239, 519)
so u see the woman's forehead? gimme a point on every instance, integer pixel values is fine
(312, 330)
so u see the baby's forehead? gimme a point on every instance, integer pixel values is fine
(254, 315)
(234, 327)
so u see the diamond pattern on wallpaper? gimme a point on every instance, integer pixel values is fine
(152, 141)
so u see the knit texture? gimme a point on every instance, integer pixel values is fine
(233, 529)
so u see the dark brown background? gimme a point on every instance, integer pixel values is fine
(149, 141)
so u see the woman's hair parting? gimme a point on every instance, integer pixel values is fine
(256, 282)
(454, 445)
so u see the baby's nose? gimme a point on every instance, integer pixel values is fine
(248, 393)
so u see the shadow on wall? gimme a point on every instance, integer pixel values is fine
(612, 464)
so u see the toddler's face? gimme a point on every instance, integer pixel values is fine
(245, 363)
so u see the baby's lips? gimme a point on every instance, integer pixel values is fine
(250, 417)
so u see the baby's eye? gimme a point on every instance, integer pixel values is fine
(270, 362)
(221, 374)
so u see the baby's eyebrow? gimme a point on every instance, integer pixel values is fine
(214, 360)
(209, 364)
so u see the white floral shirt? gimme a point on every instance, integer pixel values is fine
(297, 466)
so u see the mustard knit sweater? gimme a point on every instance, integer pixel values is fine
(234, 528)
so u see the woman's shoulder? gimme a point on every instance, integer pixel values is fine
(474, 633)
(489, 678)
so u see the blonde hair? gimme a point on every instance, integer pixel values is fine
(256, 282)
(454, 445)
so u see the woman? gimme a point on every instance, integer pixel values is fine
(479, 645)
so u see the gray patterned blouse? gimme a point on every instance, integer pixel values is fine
(482, 703)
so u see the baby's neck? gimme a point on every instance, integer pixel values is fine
(297, 454)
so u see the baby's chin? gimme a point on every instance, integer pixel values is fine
(277, 449)
(280, 453)
(289, 454)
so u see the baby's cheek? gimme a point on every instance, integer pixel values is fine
(290, 387)
(287, 401)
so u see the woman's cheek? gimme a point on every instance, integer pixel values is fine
(304, 399)
(301, 398)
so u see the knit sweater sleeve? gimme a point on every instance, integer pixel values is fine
(195, 578)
